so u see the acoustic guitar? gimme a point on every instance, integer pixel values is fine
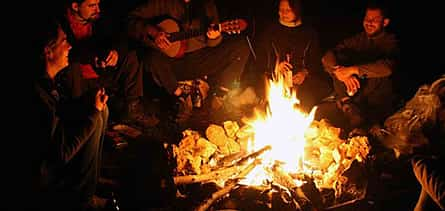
(179, 38)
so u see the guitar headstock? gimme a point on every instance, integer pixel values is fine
(235, 26)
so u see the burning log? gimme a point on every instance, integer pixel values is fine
(220, 174)
(282, 178)
(229, 159)
(297, 192)
(229, 186)
(254, 154)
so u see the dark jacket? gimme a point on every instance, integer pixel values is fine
(301, 42)
(376, 57)
(61, 129)
(99, 44)
(194, 15)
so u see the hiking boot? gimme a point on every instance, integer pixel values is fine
(135, 114)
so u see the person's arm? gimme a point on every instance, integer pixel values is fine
(384, 66)
(329, 62)
(212, 15)
(70, 134)
(141, 26)
(332, 57)
(380, 67)
(67, 144)
(142, 31)
(214, 42)
(52, 129)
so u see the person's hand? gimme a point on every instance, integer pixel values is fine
(101, 99)
(203, 88)
(285, 66)
(161, 40)
(110, 60)
(213, 34)
(298, 78)
(352, 84)
(343, 73)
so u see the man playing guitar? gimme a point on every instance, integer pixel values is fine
(205, 54)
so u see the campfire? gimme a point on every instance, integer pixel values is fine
(281, 150)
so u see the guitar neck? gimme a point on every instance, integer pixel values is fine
(183, 35)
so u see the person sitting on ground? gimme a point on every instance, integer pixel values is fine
(69, 134)
(416, 132)
(100, 57)
(362, 67)
(294, 43)
(209, 54)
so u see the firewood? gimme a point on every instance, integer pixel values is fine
(229, 159)
(221, 173)
(217, 174)
(253, 155)
(228, 187)
(282, 178)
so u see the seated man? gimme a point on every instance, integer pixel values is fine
(194, 57)
(361, 68)
(100, 58)
(68, 145)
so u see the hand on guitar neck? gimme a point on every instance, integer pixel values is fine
(171, 40)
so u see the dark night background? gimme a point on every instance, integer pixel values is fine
(416, 23)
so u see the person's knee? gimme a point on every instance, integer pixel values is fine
(157, 62)
(132, 57)
(324, 62)
(239, 47)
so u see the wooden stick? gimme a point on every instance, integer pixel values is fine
(231, 185)
(253, 155)
(221, 173)
(229, 159)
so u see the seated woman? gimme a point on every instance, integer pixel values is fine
(67, 155)
(295, 45)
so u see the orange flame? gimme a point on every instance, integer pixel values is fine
(283, 127)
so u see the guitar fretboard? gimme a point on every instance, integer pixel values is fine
(183, 35)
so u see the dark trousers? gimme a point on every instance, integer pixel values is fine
(123, 80)
(313, 90)
(72, 184)
(222, 64)
(375, 98)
